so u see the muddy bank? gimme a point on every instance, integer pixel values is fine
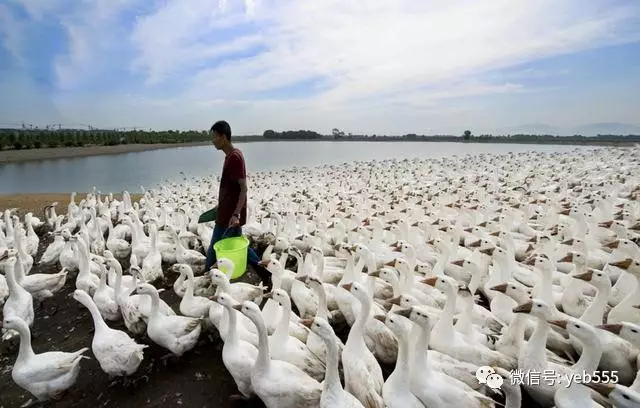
(17, 156)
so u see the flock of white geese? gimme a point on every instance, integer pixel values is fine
(524, 262)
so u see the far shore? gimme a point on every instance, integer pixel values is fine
(25, 155)
(35, 203)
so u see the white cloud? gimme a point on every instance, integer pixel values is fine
(95, 39)
(393, 65)
(374, 47)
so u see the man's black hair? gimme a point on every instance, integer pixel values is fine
(222, 127)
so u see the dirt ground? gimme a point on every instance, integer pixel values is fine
(198, 379)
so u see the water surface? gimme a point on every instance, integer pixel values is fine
(114, 173)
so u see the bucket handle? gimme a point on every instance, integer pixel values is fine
(226, 231)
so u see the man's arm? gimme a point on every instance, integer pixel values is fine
(242, 196)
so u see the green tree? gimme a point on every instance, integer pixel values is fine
(467, 135)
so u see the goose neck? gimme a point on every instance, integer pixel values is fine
(594, 314)
(26, 351)
(232, 334)
(420, 354)
(12, 283)
(155, 302)
(538, 340)
(332, 379)
(188, 293)
(402, 364)
(18, 270)
(263, 360)
(357, 330)
(590, 357)
(323, 311)
(282, 329)
(98, 321)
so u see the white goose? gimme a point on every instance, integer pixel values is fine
(238, 355)
(578, 394)
(192, 305)
(46, 375)
(449, 341)
(187, 256)
(19, 304)
(152, 263)
(432, 387)
(362, 373)
(201, 284)
(40, 285)
(288, 348)
(396, 391)
(52, 253)
(85, 279)
(105, 298)
(271, 379)
(178, 334)
(116, 352)
(333, 395)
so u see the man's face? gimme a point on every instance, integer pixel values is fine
(218, 140)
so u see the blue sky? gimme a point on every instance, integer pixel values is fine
(380, 66)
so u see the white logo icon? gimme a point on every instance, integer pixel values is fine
(494, 381)
(483, 372)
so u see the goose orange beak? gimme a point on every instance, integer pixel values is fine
(587, 276)
(613, 328)
(488, 251)
(559, 323)
(567, 258)
(523, 308)
(500, 288)
(622, 264)
(430, 281)
(394, 301)
(613, 244)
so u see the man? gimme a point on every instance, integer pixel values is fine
(232, 199)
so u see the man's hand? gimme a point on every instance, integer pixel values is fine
(234, 221)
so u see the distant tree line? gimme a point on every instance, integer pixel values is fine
(292, 135)
(39, 138)
(42, 138)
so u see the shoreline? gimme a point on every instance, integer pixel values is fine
(35, 202)
(29, 155)
(20, 156)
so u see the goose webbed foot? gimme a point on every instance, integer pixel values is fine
(238, 397)
(170, 357)
(123, 381)
(144, 378)
(32, 403)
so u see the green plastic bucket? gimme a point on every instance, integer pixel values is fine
(235, 249)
